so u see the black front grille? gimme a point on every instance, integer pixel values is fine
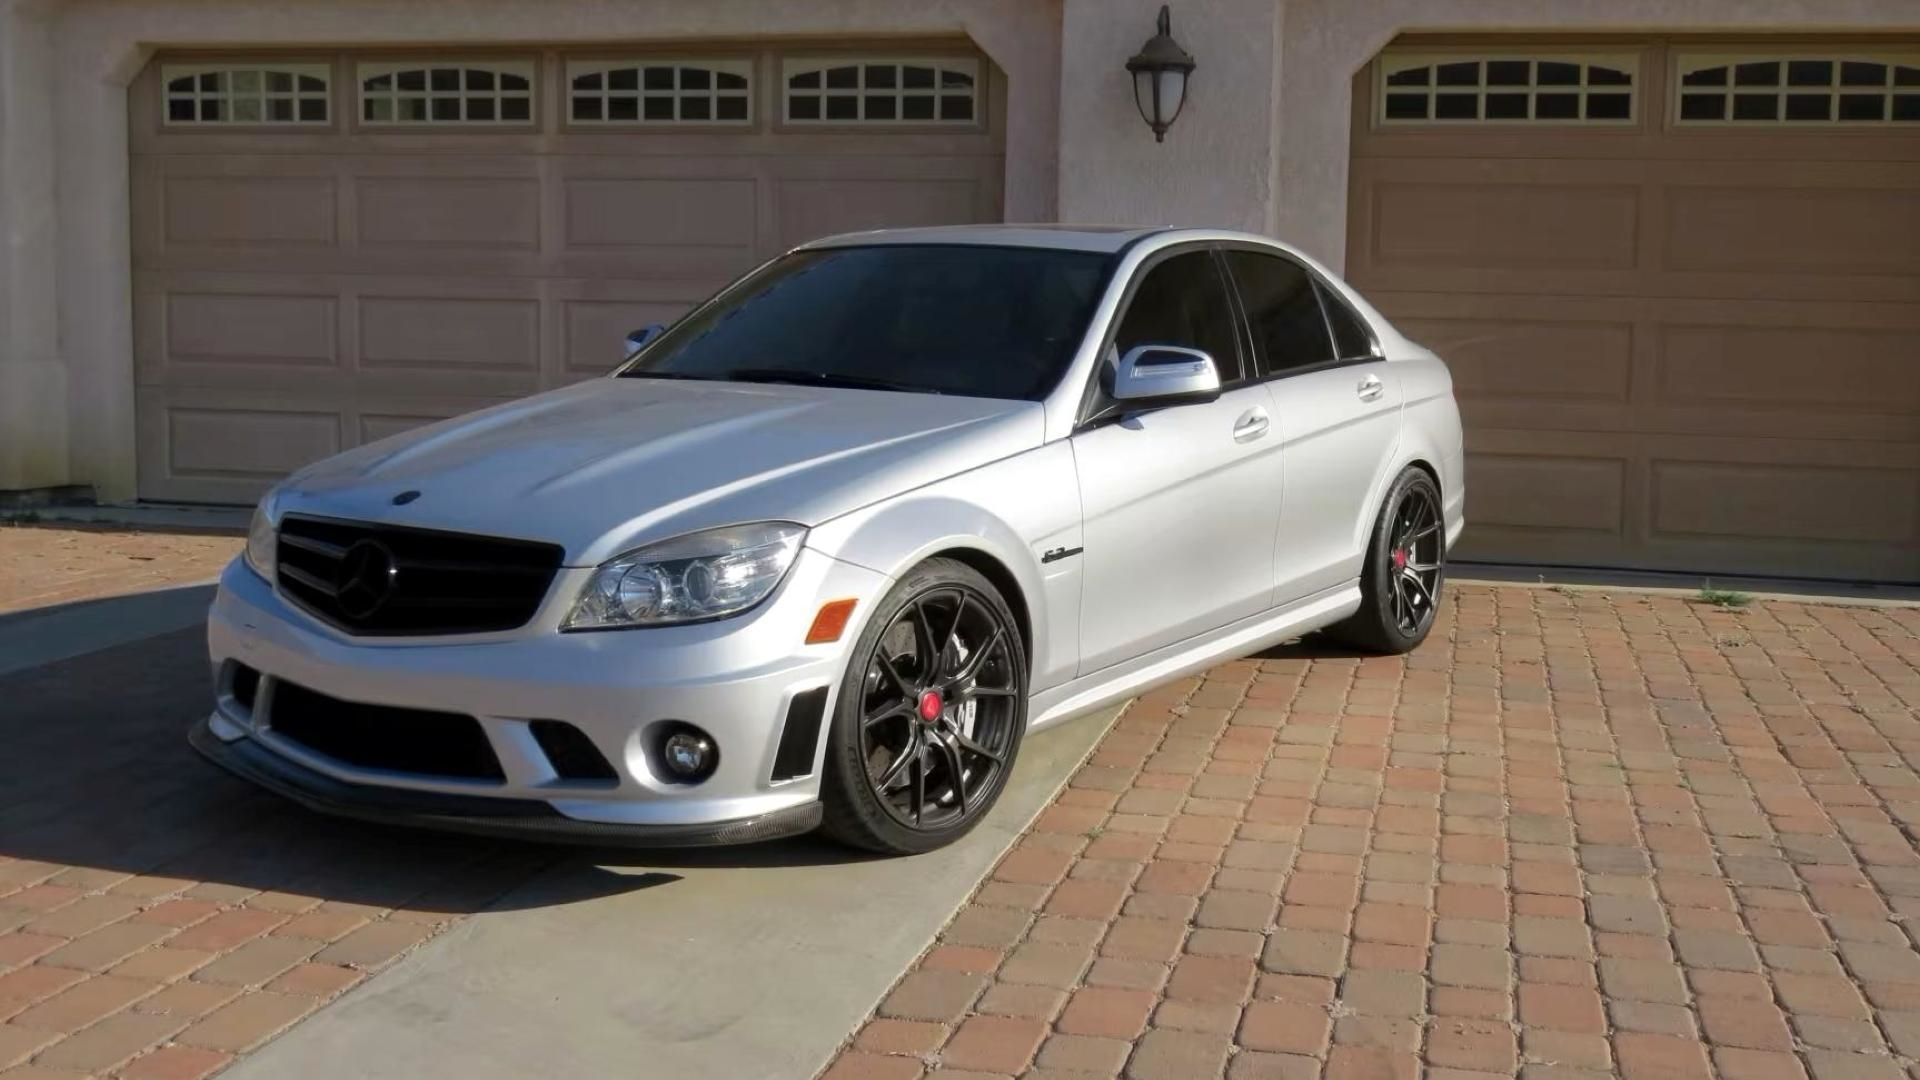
(388, 580)
(383, 737)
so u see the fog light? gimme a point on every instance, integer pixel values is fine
(686, 754)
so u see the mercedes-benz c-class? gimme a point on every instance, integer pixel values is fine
(822, 553)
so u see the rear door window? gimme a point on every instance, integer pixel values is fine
(1283, 310)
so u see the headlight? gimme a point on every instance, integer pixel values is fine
(260, 542)
(692, 578)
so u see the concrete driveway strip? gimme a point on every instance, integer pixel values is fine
(32, 638)
(745, 963)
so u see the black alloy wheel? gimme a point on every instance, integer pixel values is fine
(931, 714)
(1404, 570)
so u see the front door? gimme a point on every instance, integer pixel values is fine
(1180, 503)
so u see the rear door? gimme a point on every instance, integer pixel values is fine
(1180, 502)
(1336, 408)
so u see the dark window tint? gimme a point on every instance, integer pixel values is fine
(1351, 338)
(960, 319)
(1282, 310)
(1183, 301)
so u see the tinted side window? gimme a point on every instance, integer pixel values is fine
(1350, 334)
(1183, 301)
(1283, 310)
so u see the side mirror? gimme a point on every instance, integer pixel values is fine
(1154, 375)
(643, 337)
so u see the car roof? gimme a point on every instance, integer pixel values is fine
(1106, 239)
(1101, 238)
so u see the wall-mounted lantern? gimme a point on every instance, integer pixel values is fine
(1160, 74)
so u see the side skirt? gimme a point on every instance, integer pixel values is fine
(1130, 677)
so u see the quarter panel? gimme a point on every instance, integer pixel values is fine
(1014, 511)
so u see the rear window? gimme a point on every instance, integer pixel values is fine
(978, 321)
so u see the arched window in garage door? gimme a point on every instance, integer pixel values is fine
(245, 94)
(1806, 88)
(660, 91)
(882, 91)
(446, 92)
(1495, 88)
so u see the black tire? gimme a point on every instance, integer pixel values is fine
(888, 781)
(1404, 572)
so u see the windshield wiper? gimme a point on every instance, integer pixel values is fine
(821, 378)
(643, 373)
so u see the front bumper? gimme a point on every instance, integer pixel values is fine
(736, 679)
(519, 819)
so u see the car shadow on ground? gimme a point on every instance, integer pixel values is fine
(1310, 647)
(96, 773)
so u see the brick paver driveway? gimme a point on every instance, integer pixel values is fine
(1577, 833)
(156, 917)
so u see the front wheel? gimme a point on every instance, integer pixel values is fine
(1405, 568)
(930, 715)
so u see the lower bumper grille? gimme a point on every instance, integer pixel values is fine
(383, 737)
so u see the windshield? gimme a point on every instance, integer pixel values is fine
(980, 321)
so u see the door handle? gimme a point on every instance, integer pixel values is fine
(1371, 388)
(1252, 424)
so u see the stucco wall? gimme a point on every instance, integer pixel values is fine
(1217, 166)
(33, 388)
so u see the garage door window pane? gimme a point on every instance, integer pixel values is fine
(660, 91)
(1807, 90)
(881, 91)
(1866, 108)
(282, 95)
(447, 94)
(1283, 312)
(1809, 107)
(1513, 88)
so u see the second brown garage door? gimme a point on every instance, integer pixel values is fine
(333, 247)
(1678, 284)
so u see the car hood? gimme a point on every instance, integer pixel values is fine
(607, 465)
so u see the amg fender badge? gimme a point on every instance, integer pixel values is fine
(1060, 553)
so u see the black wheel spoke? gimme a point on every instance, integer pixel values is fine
(959, 771)
(919, 789)
(1419, 587)
(992, 691)
(966, 743)
(888, 712)
(893, 675)
(931, 648)
(971, 669)
(953, 631)
(908, 755)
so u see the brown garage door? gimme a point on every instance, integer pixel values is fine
(1678, 284)
(333, 247)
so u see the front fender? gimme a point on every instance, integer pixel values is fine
(1010, 512)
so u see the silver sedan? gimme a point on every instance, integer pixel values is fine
(822, 553)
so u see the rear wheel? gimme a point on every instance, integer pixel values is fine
(930, 714)
(1404, 571)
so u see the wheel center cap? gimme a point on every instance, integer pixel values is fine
(931, 706)
(1399, 558)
